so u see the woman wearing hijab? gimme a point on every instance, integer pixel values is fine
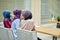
(16, 22)
(7, 21)
(27, 23)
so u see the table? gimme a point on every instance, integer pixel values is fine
(52, 21)
(55, 32)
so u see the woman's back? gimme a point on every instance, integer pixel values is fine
(27, 25)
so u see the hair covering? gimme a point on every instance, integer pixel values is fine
(27, 14)
(6, 14)
(17, 14)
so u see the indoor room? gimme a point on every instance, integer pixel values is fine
(41, 18)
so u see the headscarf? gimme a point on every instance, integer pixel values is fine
(17, 14)
(6, 14)
(27, 15)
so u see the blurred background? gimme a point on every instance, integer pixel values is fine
(41, 9)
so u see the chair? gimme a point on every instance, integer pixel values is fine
(26, 35)
(6, 34)
(1, 24)
(10, 34)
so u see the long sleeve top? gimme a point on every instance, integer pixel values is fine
(27, 25)
(7, 23)
(15, 25)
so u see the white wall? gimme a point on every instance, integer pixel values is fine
(36, 10)
(32, 5)
(13, 4)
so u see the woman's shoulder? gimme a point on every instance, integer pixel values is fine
(27, 21)
(30, 20)
(5, 20)
(17, 20)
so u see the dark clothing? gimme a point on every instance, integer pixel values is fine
(7, 23)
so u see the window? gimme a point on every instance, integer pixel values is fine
(47, 8)
(44, 11)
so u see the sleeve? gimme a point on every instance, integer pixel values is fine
(12, 25)
(7, 23)
(14, 29)
(17, 23)
(32, 26)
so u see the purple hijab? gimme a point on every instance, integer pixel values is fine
(17, 14)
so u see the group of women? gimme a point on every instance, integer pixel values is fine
(18, 19)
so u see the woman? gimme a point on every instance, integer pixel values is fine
(27, 23)
(7, 21)
(16, 22)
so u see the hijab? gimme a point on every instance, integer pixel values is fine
(17, 14)
(27, 15)
(6, 14)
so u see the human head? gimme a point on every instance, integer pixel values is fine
(27, 15)
(6, 14)
(17, 13)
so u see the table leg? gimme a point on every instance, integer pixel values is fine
(54, 38)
